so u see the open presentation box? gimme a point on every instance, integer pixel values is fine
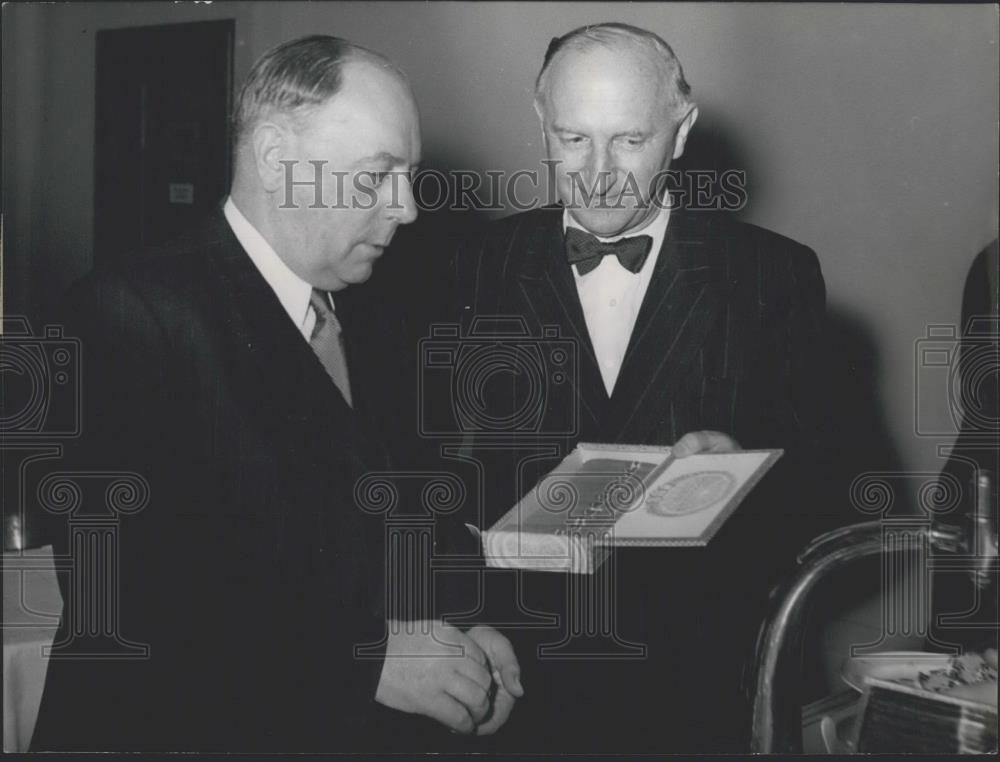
(604, 496)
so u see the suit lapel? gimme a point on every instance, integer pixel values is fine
(549, 291)
(375, 362)
(283, 379)
(685, 297)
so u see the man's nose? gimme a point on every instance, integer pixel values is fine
(402, 208)
(603, 172)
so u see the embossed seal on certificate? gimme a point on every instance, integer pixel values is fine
(690, 493)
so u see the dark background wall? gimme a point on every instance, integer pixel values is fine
(868, 132)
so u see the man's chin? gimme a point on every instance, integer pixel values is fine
(355, 277)
(606, 223)
(358, 277)
(362, 272)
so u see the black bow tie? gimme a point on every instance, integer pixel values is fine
(585, 251)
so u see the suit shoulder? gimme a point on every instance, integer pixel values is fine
(746, 244)
(144, 278)
(526, 220)
(503, 247)
(506, 230)
(783, 269)
(769, 241)
(173, 264)
(176, 261)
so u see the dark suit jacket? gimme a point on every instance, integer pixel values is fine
(962, 614)
(726, 339)
(251, 574)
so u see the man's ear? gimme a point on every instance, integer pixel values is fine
(682, 131)
(270, 146)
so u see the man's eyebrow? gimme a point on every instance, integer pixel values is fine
(626, 134)
(384, 156)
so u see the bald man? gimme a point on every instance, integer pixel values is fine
(245, 373)
(691, 330)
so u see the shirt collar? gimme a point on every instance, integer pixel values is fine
(291, 290)
(657, 230)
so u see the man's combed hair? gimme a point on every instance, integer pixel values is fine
(614, 35)
(296, 77)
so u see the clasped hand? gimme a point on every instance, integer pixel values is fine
(467, 681)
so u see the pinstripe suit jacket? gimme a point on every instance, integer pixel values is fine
(726, 339)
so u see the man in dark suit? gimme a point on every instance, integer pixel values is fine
(249, 378)
(691, 330)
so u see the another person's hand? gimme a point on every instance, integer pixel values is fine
(506, 676)
(433, 669)
(704, 441)
(990, 657)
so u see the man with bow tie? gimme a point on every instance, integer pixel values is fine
(691, 330)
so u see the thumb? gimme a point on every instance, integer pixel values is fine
(703, 441)
(504, 661)
(692, 443)
(511, 678)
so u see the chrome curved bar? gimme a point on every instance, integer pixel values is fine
(777, 719)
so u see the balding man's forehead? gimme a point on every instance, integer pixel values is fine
(367, 67)
(628, 58)
(588, 70)
(622, 71)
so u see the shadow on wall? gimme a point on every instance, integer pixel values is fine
(713, 148)
(859, 442)
(859, 433)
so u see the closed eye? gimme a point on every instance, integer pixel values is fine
(632, 141)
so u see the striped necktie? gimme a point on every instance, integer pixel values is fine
(328, 344)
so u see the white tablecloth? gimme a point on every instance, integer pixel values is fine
(31, 608)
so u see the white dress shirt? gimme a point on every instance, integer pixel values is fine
(291, 290)
(611, 297)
